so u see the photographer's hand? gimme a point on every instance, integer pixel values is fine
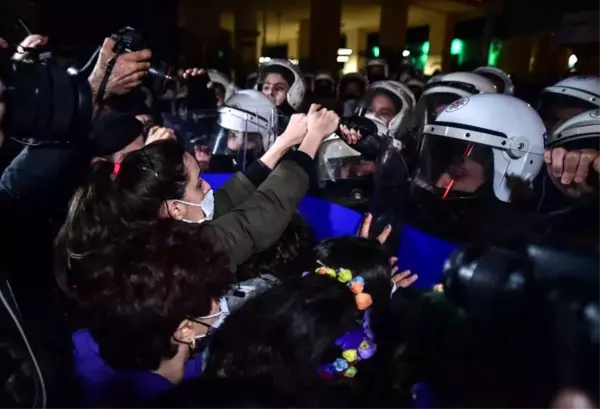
(31, 42)
(127, 74)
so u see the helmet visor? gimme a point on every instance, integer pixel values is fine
(555, 108)
(452, 168)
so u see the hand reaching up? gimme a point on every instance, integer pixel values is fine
(322, 121)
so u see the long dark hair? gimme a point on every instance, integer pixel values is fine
(108, 205)
(281, 337)
(134, 294)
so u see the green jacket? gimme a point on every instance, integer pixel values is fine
(233, 193)
(249, 220)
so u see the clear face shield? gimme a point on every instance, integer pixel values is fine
(555, 109)
(431, 105)
(376, 72)
(197, 127)
(450, 168)
(461, 186)
(240, 137)
(344, 176)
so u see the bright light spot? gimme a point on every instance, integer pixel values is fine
(456, 47)
(264, 59)
(294, 61)
(572, 61)
(425, 47)
(344, 51)
(376, 52)
(405, 53)
(342, 58)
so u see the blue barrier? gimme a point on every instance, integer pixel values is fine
(419, 252)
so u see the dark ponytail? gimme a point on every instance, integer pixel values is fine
(109, 205)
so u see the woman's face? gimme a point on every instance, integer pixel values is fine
(195, 189)
(276, 88)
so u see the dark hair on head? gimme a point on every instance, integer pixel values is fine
(135, 293)
(281, 337)
(364, 257)
(217, 393)
(108, 206)
(288, 258)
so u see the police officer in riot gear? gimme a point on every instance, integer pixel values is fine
(502, 80)
(351, 89)
(469, 159)
(568, 98)
(224, 89)
(283, 83)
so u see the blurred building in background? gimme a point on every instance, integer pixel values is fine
(533, 40)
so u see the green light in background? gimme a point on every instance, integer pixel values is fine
(456, 47)
(376, 52)
(425, 47)
(494, 53)
(220, 53)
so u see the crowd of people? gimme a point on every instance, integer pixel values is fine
(175, 294)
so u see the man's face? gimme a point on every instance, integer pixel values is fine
(467, 177)
(276, 88)
(383, 108)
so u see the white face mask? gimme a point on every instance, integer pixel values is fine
(382, 124)
(207, 205)
(222, 316)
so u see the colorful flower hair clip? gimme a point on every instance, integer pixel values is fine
(356, 284)
(359, 343)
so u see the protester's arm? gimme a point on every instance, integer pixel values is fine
(241, 186)
(259, 222)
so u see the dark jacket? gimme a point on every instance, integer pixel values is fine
(247, 223)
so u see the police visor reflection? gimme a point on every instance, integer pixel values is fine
(481, 141)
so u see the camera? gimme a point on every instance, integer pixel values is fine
(44, 102)
(160, 74)
(539, 302)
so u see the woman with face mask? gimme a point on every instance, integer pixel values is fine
(162, 181)
(149, 304)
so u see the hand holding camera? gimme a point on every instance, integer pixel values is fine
(128, 72)
(30, 42)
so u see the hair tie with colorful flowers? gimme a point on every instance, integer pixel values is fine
(356, 284)
(357, 344)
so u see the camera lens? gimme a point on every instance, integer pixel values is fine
(45, 103)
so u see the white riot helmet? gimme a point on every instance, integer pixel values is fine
(403, 100)
(246, 122)
(481, 141)
(577, 130)
(292, 75)
(499, 78)
(325, 81)
(442, 90)
(377, 70)
(568, 98)
(416, 87)
(217, 77)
